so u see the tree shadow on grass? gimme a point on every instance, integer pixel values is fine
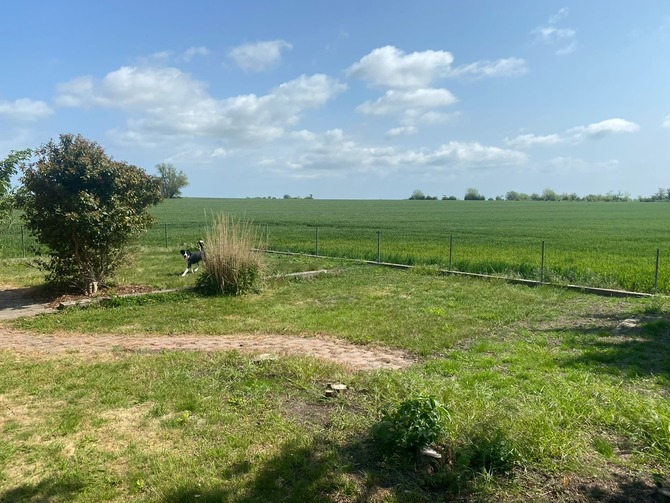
(633, 344)
(325, 470)
(52, 489)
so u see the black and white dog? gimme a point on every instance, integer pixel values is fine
(193, 258)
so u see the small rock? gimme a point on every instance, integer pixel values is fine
(430, 452)
(627, 325)
(337, 387)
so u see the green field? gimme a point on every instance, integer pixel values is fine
(611, 245)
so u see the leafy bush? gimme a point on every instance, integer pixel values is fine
(85, 207)
(416, 423)
(233, 264)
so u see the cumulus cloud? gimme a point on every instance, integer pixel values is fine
(562, 40)
(401, 131)
(602, 129)
(336, 152)
(390, 67)
(166, 101)
(260, 56)
(409, 80)
(25, 110)
(532, 140)
(395, 101)
(577, 134)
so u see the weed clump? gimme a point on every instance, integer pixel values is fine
(416, 423)
(233, 262)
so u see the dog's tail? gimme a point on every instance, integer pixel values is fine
(201, 245)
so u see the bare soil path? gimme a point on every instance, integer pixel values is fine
(15, 303)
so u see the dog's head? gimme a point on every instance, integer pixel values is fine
(185, 253)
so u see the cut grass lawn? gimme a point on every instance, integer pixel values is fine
(548, 402)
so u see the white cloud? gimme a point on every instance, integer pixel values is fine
(531, 140)
(260, 56)
(191, 52)
(576, 134)
(132, 87)
(401, 131)
(603, 128)
(335, 152)
(25, 110)
(390, 67)
(563, 40)
(474, 154)
(408, 78)
(396, 101)
(165, 101)
(559, 16)
(666, 121)
(508, 67)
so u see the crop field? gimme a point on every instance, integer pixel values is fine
(611, 245)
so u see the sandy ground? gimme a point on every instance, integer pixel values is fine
(16, 303)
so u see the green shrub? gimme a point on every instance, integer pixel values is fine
(416, 423)
(233, 262)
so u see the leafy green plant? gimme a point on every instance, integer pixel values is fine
(85, 207)
(416, 423)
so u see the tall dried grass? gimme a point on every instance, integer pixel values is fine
(233, 264)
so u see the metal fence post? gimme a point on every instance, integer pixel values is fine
(451, 248)
(542, 265)
(658, 258)
(379, 246)
(23, 243)
(166, 236)
(317, 241)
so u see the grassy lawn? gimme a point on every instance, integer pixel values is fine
(548, 401)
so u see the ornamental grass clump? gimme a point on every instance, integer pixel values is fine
(233, 262)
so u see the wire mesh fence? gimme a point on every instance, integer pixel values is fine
(529, 258)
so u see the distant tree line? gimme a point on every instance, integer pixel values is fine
(472, 194)
(660, 195)
(285, 196)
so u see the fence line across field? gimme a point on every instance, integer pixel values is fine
(360, 243)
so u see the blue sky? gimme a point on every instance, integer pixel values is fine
(351, 99)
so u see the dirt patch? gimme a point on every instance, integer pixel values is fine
(325, 348)
(27, 302)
